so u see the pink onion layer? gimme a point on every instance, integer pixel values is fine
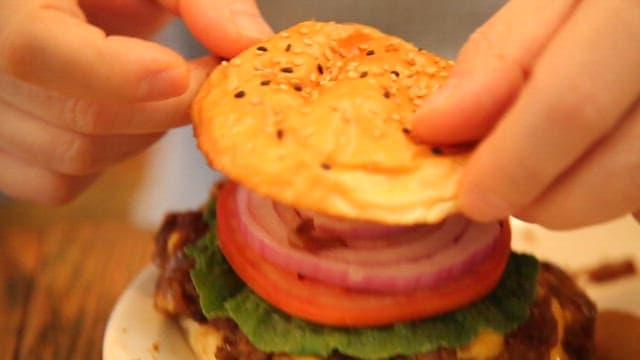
(350, 229)
(403, 259)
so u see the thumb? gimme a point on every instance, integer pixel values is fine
(226, 27)
(491, 68)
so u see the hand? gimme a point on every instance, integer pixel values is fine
(551, 88)
(80, 89)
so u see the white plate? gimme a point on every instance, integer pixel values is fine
(136, 331)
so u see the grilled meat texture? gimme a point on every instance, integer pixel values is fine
(535, 339)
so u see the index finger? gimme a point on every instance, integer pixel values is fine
(55, 49)
(226, 27)
(490, 71)
(582, 86)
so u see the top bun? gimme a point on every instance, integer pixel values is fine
(318, 117)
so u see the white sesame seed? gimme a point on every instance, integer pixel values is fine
(298, 61)
(307, 41)
(395, 116)
(327, 54)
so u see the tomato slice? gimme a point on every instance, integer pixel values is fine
(330, 305)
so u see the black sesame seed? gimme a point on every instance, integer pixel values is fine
(386, 94)
(364, 74)
(288, 47)
(395, 73)
(326, 166)
(437, 150)
(287, 69)
(297, 87)
(280, 134)
(262, 48)
(320, 69)
(239, 94)
(265, 82)
(370, 52)
(406, 130)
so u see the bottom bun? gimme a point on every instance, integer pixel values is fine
(208, 342)
(204, 340)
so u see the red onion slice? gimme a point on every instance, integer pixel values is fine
(379, 235)
(351, 229)
(420, 242)
(468, 244)
(289, 216)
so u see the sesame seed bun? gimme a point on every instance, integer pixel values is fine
(319, 117)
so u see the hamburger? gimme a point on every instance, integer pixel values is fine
(335, 235)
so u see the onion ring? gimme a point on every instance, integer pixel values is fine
(466, 245)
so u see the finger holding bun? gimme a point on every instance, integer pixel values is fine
(345, 94)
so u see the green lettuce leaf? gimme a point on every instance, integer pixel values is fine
(214, 279)
(502, 310)
(222, 293)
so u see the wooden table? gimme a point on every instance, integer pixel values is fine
(62, 269)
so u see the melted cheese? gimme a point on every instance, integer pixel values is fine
(486, 345)
(557, 352)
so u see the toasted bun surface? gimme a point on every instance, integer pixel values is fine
(319, 117)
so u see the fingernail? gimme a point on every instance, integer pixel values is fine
(483, 206)
(165, 83)
(248, 21)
